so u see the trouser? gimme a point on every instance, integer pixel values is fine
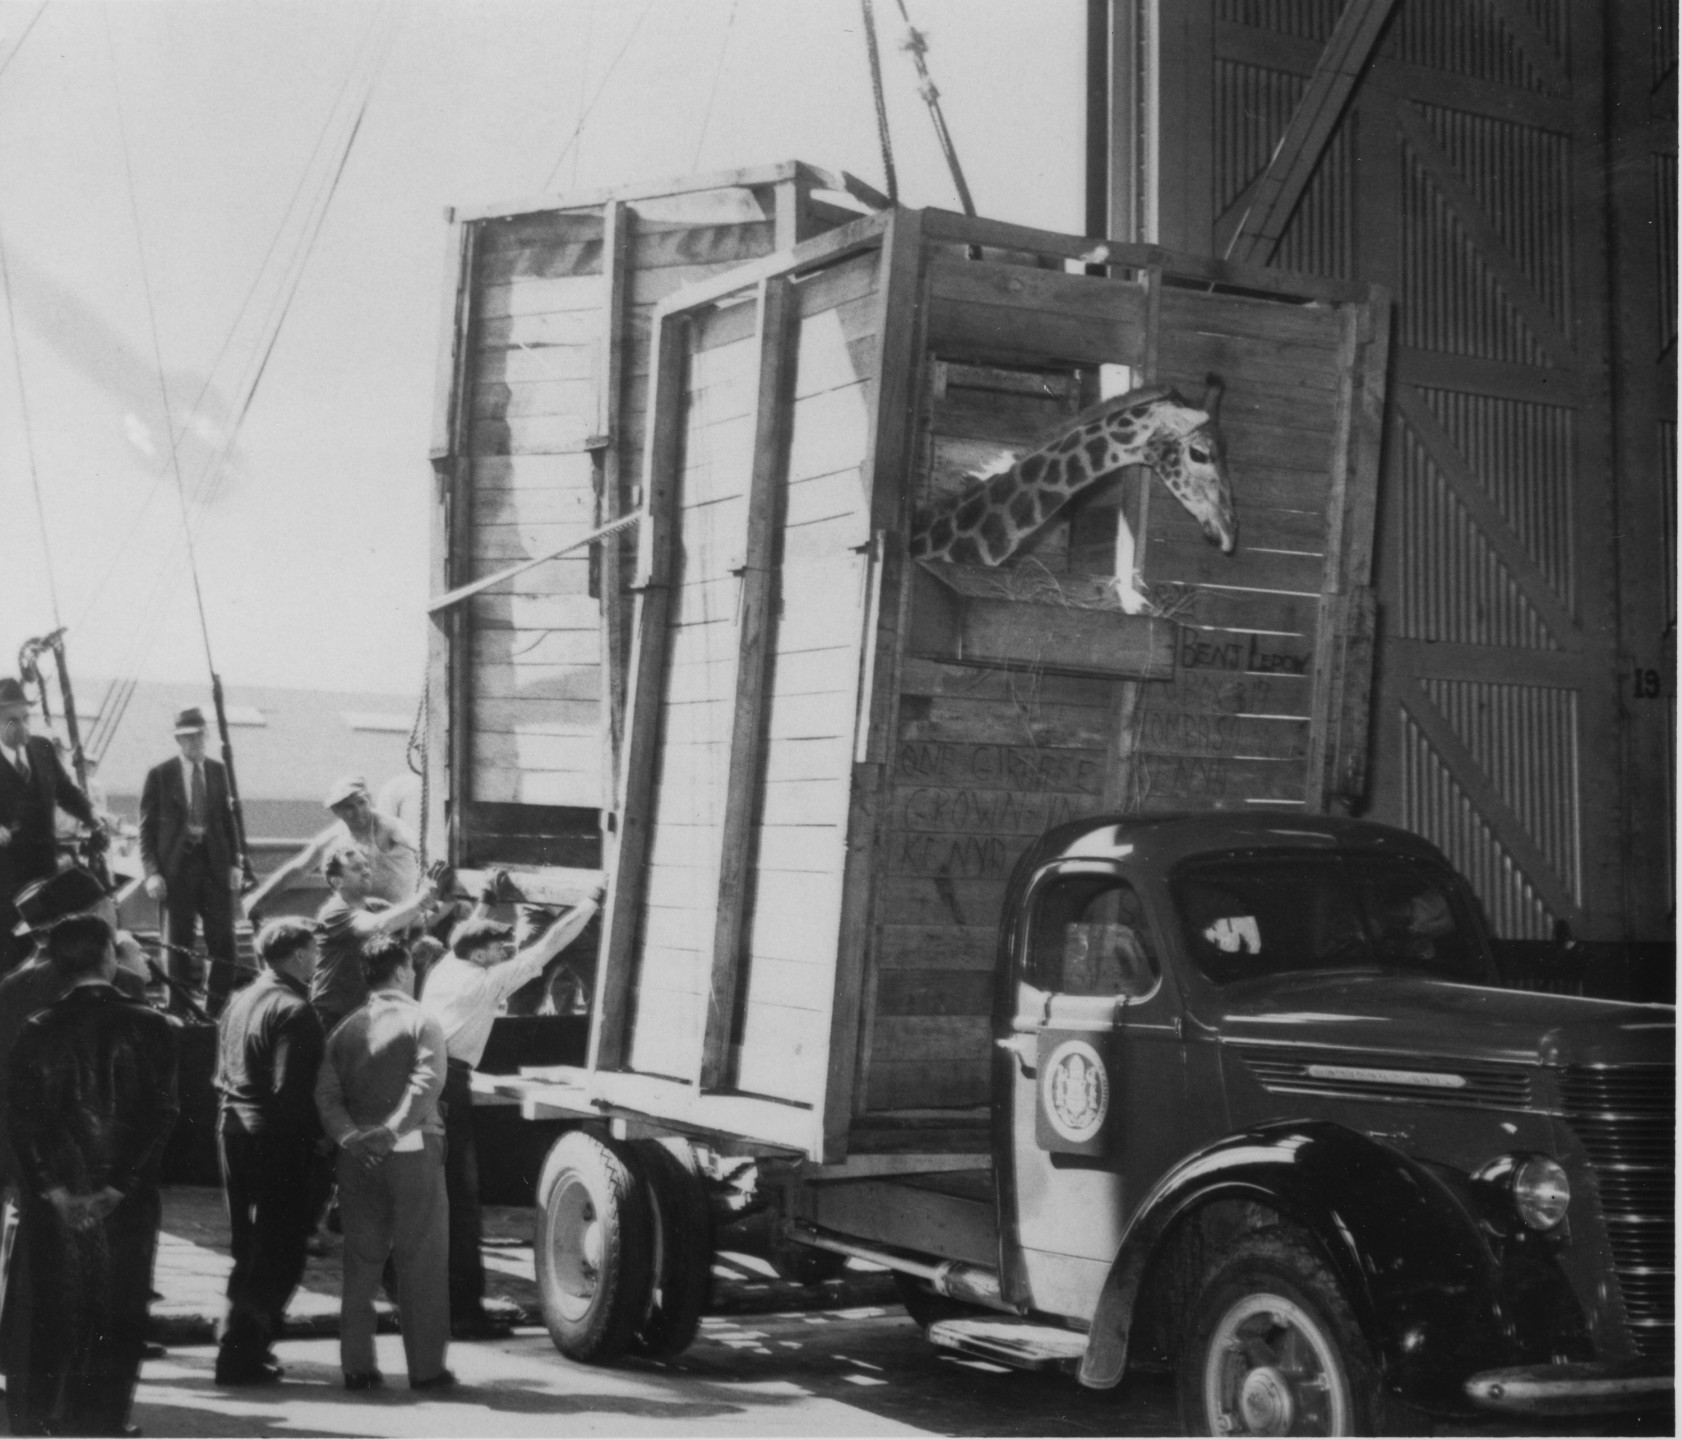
(399, 1210)
(75, 1326)
(270, 1218)
(199, 891)
(461, 1183)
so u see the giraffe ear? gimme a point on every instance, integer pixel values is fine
(1212, 396)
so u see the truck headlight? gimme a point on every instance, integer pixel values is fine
(1541, 1191)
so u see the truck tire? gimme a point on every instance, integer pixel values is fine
(682, 1227)
(1272, 1348)
(593, 1247)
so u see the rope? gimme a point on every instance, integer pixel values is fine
(718, 70)
(5, 64)
(28, 427)
(419, 736)
(884, 138)
(918, 44)
(584, 114)
(157, 351)
(245, 308)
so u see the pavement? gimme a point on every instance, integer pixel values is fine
(192, 1268)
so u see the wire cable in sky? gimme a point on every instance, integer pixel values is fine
(29, 430)
(712, 94)
(584, 116)
(13, 53)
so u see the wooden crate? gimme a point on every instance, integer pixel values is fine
(834, 756)
(541, 420)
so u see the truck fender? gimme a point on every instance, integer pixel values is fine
(1407, 1251)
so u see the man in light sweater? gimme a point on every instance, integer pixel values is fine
(378, 1094)
(464, 992)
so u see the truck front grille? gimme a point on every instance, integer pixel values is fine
(1626, 1120)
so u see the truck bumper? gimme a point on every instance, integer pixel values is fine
(1576, 1389)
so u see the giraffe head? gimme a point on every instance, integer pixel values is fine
(1188, 453)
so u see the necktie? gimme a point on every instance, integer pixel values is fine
(20, 762)
(195, 810)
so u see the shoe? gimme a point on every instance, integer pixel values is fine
(258, 1374)
(364, 1380)
(479, 1327)
(443, 1380)
(153, 1351)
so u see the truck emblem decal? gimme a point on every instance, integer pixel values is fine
(1430, 1080)
(1075, 1091)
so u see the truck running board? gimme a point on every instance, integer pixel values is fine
(1021, 1344)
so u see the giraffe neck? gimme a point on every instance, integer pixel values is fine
(986, 522)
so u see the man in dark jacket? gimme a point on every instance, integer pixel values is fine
(93, 1099)
(191, 856)
(32, 782)
(269, 1045)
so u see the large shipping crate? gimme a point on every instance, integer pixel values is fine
(541, 420)
(834, 755)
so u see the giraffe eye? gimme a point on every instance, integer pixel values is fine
(1198, 454)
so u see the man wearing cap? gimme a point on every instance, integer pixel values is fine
(269, 1046)
(348, 920)
(464, 992)
(191, 857)
(392, 851)
(32, 782)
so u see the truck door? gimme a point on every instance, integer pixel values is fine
(1097, 1087)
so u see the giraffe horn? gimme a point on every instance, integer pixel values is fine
(1212, 396)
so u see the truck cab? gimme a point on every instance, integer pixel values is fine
(1261, 1113)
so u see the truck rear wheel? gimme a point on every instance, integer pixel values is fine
(682, 1227)
(593, 1247)
(1272, 1348)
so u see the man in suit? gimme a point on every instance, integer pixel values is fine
(32, 782)
(191, 856)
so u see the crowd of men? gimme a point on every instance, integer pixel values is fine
(334, 1076)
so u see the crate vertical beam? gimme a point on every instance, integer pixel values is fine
(899, 331)
(609, 1027)
(446, 665)
(755, 609)
(610, 480)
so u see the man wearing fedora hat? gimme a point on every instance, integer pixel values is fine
(32, 782)
(191, 857)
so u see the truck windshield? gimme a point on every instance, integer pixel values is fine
(1255, 915)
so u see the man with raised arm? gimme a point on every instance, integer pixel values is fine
(465, 991)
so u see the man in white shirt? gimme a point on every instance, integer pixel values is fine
(464, 992)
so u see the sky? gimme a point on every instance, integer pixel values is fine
(174, 243)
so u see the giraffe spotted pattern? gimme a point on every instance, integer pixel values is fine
(987, 521)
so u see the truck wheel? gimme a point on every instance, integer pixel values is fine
(682, 1226)
(1272, 1348)
(592, 1248)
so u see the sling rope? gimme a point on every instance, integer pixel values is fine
(601, 89)
(883, 136)
(917, 44)
(29, 429)
(213, 475)
(712, 94)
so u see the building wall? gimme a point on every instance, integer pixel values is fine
(1523, 705)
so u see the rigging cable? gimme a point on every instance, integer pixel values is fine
(712, 94)
(29, 429)
(884, 137)
(21, 38)
(244, 307)
(584, 115)
(917, 44)
(214, 473)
